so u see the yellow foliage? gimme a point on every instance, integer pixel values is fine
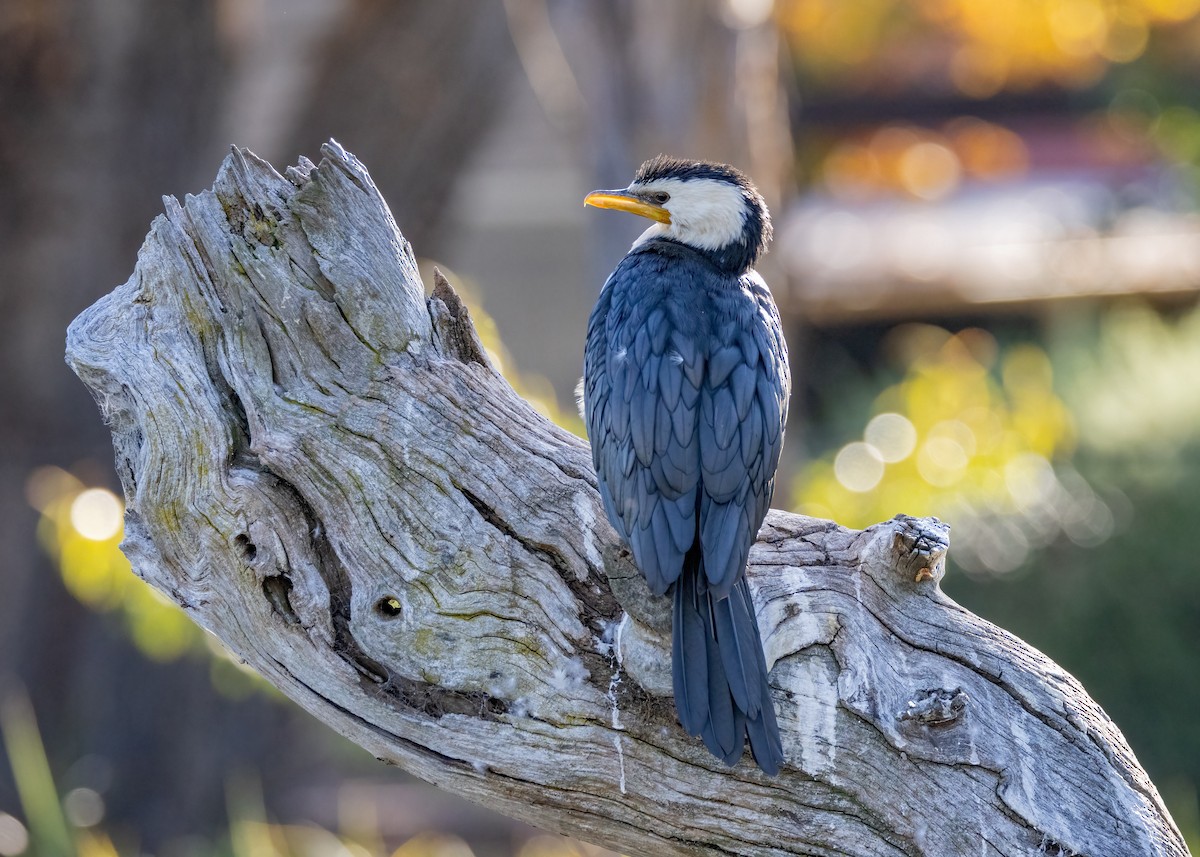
(80, 528)
(1002, 44)
(949, 436)
(94, 844)
(434, 845)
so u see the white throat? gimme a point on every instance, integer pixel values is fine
(656, 230)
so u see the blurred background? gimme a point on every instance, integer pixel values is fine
(987, 257)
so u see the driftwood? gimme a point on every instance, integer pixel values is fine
(323, 469)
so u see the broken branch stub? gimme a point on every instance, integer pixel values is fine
(324, 470)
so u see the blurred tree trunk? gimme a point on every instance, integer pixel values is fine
(690, 79)
(413, 87)
(70, 73)
(103, 108)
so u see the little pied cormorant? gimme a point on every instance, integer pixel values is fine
(685, 396)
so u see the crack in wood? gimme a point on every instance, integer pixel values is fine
(278, 589)
(596, 603)
(452, 321)
(386, 734)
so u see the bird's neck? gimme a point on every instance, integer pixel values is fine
(656, 231)
(735, 258)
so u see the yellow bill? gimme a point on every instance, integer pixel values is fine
(624, 201)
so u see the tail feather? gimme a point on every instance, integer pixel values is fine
(719, 670)
(765, 742)
(689, 658)
(724, 731)
(741, 650)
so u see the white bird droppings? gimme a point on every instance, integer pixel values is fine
(614, 655)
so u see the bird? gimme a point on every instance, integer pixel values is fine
(685, 396)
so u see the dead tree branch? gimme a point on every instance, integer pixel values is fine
(324, 470)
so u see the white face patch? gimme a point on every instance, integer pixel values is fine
(705, 213)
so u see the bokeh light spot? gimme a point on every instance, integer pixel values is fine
(929, 170)
(988, 151)
(96, 514)
(858, 466)
(892, 435)
(1030, 480)
(999, 545)
(83, 807)
(942, 461)
(957, 431)
(1079, 27)
(14, 838)
(549, 845)
(1128, 36)
(434, 845)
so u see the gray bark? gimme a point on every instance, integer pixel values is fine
(324, 470)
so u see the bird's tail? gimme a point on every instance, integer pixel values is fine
(720, 671)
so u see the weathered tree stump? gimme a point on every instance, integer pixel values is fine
(324, 470)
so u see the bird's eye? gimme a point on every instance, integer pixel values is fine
(660, 196)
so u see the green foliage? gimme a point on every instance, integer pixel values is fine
(48, 832)
(1126, 619)
(1131, 377)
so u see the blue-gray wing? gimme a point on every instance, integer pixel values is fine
(743, 408)
(642, 381)
(685, 392)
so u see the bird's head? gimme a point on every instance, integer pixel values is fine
(710, 207)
